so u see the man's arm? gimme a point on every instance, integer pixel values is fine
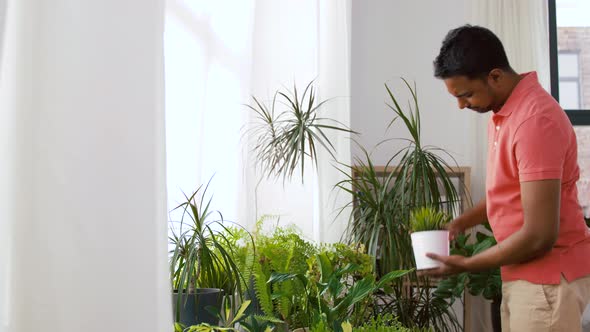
(540, 203)
(474, 216)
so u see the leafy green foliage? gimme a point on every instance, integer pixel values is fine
(284, 139)
(485, 283)
(386, 323)
(334, 295)
(282, 251)
(428, 219)
(228, 321)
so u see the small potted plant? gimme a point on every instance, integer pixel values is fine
(429, 236)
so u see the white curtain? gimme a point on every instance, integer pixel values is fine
(83, 200)
(334, 82)
(523, 28)
(207, 61)
(215, 60)
(297, 41)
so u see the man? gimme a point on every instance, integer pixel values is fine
(531, 196)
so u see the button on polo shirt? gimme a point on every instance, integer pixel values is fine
(530, 139)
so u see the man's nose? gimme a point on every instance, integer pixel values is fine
(462, 103)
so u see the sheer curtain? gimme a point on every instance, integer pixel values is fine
(83, 201)
(207, 61)
(215, 60)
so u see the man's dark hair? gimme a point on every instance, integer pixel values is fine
(470, 51)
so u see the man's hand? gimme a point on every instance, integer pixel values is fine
(454, 229)
(453, 264)
(475, 216)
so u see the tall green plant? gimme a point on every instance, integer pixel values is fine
(202, 252)
(381, 212)
(286, 138)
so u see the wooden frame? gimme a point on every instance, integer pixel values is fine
(463, 173)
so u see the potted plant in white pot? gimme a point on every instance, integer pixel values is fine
(429, 235)
(201, 256)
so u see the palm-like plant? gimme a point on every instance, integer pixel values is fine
(202, 254)
(381, 212)
(286, 138)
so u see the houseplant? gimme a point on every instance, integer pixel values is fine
(332, 296)
(231, 321)
(429, 235)
(201, 262)
(290, 130)
(380, 214)
(283, 250)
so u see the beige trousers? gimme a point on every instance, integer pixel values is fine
(543, 308)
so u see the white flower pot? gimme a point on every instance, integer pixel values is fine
(436, 242)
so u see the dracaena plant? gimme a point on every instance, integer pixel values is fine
(428, 219)
(203, 251)
(380, 213)
(291, 130)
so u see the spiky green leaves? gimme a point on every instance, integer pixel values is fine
(428, 219)
(286, 137)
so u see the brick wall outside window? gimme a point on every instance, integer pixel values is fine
(577, 39)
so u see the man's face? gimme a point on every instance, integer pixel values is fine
(476, 94)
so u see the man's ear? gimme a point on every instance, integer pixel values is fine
(495, 75)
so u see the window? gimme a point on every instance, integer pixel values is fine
(569, 34)
(569, 80)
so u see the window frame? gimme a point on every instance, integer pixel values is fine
(578, 117)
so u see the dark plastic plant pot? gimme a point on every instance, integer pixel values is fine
(193, 306)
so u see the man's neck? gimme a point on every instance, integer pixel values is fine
(512, 80)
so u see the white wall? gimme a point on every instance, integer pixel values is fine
(392, 39)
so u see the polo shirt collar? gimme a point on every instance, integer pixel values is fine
(528, 81)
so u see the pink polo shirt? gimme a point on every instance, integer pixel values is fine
(530, 138)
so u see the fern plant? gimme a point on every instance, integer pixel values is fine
(428, 219)
(282, 251)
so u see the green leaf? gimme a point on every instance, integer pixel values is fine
(240, 314)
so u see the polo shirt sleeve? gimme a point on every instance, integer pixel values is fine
(540, 146)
